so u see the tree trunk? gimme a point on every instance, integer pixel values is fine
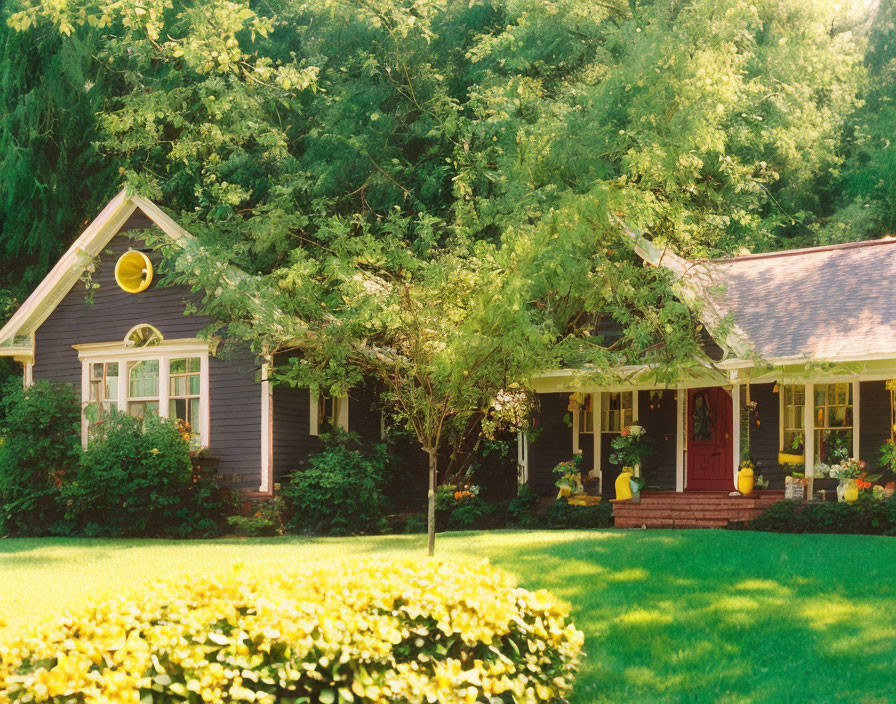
(431, 517)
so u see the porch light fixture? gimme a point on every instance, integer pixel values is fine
(133, 272)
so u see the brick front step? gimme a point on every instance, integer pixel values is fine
(691, 510)
(670, 523)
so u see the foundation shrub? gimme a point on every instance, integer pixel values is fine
(370, 631)
(868, 516)
(341, 492)
(40, 441)
(136, 479)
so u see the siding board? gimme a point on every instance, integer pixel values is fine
(659, 422)
(553, 443)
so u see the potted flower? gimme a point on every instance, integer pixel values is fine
(852, 479)
(745, 477)
(795, 482)
(569, 479)
(629, 450)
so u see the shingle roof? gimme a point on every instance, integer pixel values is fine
(822, 303)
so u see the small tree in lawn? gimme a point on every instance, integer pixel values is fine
(441, 333)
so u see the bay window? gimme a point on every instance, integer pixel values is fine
(146, 375)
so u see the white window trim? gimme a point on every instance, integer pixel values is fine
(314, 405)
(119, 353)
(267, 430)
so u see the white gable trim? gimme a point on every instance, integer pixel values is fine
(72, 265)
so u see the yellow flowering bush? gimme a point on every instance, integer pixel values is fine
(363, 631)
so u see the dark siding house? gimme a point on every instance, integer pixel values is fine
(82, 327)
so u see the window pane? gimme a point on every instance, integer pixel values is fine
(111, 386)
(177, 409)
(193, 364)
(194, 385)
(178, 366)
(142, 408)
(178, 386)
(194, 415)
(144, 379)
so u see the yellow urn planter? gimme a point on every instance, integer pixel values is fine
(850, 491)
(745, 481)
(624, 485)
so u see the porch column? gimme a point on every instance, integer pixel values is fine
(735, 430)
(856, 449)
(522, 457)
(596, 399)
(809, 438)
(680, 409)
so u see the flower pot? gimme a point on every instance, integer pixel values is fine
(745, 481)
(624, 486)
(848, 491)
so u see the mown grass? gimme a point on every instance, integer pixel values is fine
(669, 616)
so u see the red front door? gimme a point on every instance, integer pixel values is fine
(710, 446)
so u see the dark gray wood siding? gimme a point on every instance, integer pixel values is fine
(235, 416)
(874, 420)
(764, 440)
(293, 442)
(659, 422)
(235, 395)
(553, 443)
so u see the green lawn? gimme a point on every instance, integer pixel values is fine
(669, 616)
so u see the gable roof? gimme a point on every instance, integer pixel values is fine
(827, 304)
(17, 336)
(831, 303)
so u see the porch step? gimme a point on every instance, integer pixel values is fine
(691, 510)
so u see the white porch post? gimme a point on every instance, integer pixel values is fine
(596, 399)
(809, 438)
(680, 410)
(735, 429)
(522, 457)
(856, 419)
(575, 426)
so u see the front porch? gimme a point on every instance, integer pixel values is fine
(702, 430)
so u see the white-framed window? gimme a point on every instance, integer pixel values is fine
(616, 411)
(833, 422)
(793, 402)
(327, 412)
(185, 394)
(103, 389)
(143, 387)
(145, 374)
(586, 413)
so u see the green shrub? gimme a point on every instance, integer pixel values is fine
(561, 515)
(367, 632)
(520, 511)
(136, 479)
(40, 427)
(341, 490)
(252, 526)
(471, 513)
(868, 516)
(415, 524)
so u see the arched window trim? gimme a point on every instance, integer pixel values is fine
(154, 333)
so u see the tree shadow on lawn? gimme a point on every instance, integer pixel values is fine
(720, 616)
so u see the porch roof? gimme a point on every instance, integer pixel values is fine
(821, 303)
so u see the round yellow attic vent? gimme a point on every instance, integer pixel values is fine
(133, 272)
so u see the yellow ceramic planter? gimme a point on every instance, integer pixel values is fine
(745, 481)
(851, 491)
(624, 486)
